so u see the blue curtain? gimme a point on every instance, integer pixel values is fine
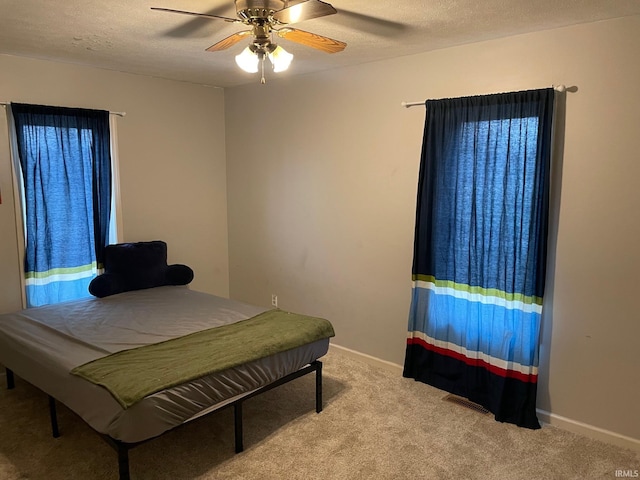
(480, 250)
(66, 168)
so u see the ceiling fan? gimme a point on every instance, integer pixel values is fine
(268, 17)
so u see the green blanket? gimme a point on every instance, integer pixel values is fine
(133, 374)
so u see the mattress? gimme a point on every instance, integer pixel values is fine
(42, 345)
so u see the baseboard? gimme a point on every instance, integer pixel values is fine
(394, 367)
(587, 430)
(548, 418)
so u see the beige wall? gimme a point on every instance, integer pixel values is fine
(172, 162)
(322, 173)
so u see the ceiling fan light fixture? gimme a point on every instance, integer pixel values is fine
(280, 59)
(248, 60)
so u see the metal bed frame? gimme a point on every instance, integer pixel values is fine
(122, 448)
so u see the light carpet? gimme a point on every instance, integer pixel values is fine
(375, 425)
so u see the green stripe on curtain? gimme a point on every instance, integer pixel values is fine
(475, 290)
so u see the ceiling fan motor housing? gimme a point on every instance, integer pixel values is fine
(252, 10)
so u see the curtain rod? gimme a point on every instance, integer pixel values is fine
(557, 88)
(120, 114)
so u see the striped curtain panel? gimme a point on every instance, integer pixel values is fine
(480, 250)
(65, 160)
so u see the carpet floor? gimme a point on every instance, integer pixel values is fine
(375, 425)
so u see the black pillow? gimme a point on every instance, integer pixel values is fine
(135, 266)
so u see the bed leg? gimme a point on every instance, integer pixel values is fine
(237, 416)
(54, 417)
(11, 382)
(123, 461)
(318, 386)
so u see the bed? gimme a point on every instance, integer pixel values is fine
(56, 347)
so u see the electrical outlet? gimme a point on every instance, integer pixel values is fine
(274, 299)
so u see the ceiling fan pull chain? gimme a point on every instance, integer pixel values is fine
(262, 80)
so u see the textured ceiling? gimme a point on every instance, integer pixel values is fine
(127, 36)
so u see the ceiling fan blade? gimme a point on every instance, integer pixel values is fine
(196, 26)
(194, 14)
(312, 40)
(304, 11)
(374, 25)
(230, 41)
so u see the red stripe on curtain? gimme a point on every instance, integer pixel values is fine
(475, 362)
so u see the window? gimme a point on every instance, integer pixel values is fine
(63, 158)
